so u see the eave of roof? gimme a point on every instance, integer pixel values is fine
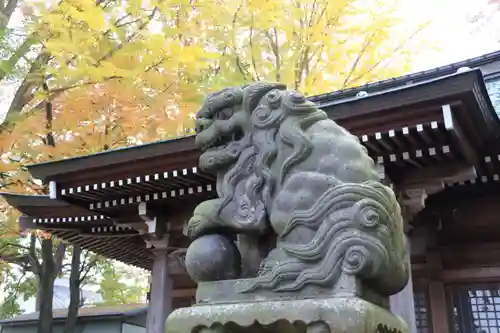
(412, 78)
(339, 109)
(19, 200)
(126, 154)
(42, 205)
(85, 313)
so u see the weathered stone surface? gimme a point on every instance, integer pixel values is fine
(339, 315)
(284, 168)
(320, 237)
(213, 258)
(229, 291)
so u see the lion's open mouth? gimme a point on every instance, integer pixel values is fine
(222, 140)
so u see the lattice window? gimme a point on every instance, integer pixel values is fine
(493, 87)
(475, 308)
(422, 315)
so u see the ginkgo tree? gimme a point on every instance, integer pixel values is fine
(176, 50)
(113, 73)
(315, 46)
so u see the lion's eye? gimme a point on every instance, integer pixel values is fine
(274, 98)
(229, 96)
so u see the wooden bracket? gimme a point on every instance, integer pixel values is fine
(157, 243)
(53, 190)
(156, 224)
(415, 186)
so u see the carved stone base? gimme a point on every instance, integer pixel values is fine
(330, 315)
(229, 291)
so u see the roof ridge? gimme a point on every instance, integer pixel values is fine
(419, 76)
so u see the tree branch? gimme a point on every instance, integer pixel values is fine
(59, 257)
(7, 12)
(26, 91)
(252, 54)
(273, 42)
(36, 268)
(128, 39)
(239, 64)
(396, 50)
(86, 269)
(358, 59)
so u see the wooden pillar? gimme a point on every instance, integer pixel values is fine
(402, 304)
(160, 304)
(437, 295)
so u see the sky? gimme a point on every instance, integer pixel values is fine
(451, 30)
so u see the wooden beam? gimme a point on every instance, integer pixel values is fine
(115, 234)
(438, 305)
(94, 226)
(454, 128)
(448, 174)
(26, 223)
(437, 295)
(143, 180)
(462, 275)
(156, 225)
(471, 274)
(160, 304)
(190, 192)
(414, 186)
(184, 293)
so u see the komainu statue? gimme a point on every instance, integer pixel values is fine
(302, 228)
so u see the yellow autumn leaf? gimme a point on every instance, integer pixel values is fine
(136, 71)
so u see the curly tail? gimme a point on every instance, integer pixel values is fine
(358, 232)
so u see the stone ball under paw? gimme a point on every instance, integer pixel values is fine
(213, 258)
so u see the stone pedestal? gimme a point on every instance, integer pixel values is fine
(328, 315)
(221, 308)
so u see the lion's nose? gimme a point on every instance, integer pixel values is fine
(202, 124)
(198, 128)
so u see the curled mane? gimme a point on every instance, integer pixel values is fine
(355, 233)
(266, 135)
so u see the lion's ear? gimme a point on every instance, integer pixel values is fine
(253, 93)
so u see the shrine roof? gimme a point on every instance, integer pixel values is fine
(412, 78)
(110, 237)
(84, 313)
(95, 232)
(412, 125)
(47, 170)
(386, 106)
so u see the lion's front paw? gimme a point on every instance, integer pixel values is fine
(204, 218)
(194, 227)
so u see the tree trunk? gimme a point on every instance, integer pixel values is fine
(74, 288)
(38, 300)
(46, 292)
(51, 262)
